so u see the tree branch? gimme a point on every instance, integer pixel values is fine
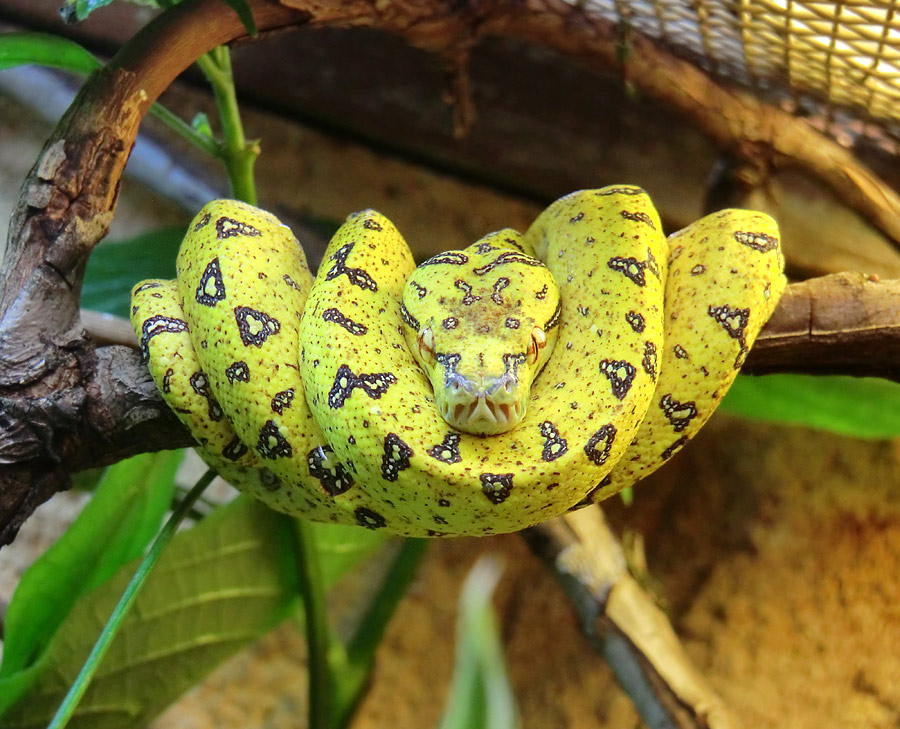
(624, 623)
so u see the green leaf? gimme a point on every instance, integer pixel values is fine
(77, 10)
(43, 49)
(217, 587)
(858, 407)
(111, 270)
(113, 529)
(200, 124)
(480, 693)
(242, 8)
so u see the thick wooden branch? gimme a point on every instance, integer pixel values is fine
(624, 623)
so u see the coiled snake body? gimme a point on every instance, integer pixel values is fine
(482, 392)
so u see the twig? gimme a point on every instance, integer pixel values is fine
(624, 623)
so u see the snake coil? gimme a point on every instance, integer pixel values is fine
(333, 398)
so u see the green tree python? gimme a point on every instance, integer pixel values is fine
(481, 392)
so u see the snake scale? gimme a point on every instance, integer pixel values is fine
(481, 392)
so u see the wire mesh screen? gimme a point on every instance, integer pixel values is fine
(843, 54)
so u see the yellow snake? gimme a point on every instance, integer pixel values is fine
(482, 392)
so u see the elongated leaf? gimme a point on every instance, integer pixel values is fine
(113, 529)
(217, 587)
(42, 49)
(111, 268)
(76, 10)
(859, 407)
(242, 8)
(480, 694)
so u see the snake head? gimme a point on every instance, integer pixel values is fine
(482, 322)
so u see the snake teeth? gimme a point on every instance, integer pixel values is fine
(481, 414)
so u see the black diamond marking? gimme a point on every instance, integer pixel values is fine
(334, 479)
(211, 289)
(396, 457)
(631, 267)
(578, 217)
(485, 248)
(680, 352)
(636, 321)
(408, 318)
(167, 378)
(733, 320)
(639, 217)
(238, 372)
(158, 325)
(290, 282)
(147, 285)
(448, 360)
(496, 486)
(511, 322)
(679, 414)
(450, 258)
(200, 384)
(355, 328)
(554, 444)
(357, 276)
(500, 284)
(229, 227)
(272, 444)
(761, 242)
(649, 360)
(235, 449)
(447, 451)
(504, 258)
(674, 448)
(698, 269)
(268, 480)
(421, 291)
(451, 322)
(600, 444)
(512, 362)
(468, 297)
(345, 381)
(283, 400)
(265, 325)
(620, 375)
(542, 294)
(554, 319)
(370, 224)
(651, 263)
(204, 221)
(620, 191)
(368, 518)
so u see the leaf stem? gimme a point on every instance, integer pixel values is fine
(319, 637)
(236, 152)
(83, 680)
(356, 666)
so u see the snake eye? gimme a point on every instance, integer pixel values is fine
(538, 342)
(425, 340)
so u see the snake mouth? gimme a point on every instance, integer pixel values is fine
(480, 415)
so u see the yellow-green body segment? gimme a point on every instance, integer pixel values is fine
(482, 392)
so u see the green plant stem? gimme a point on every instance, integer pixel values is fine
(183, 129)
(83, 680)
(319, 636)
(359, 658)
(235, 151)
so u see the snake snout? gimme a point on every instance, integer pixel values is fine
(484, 407)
